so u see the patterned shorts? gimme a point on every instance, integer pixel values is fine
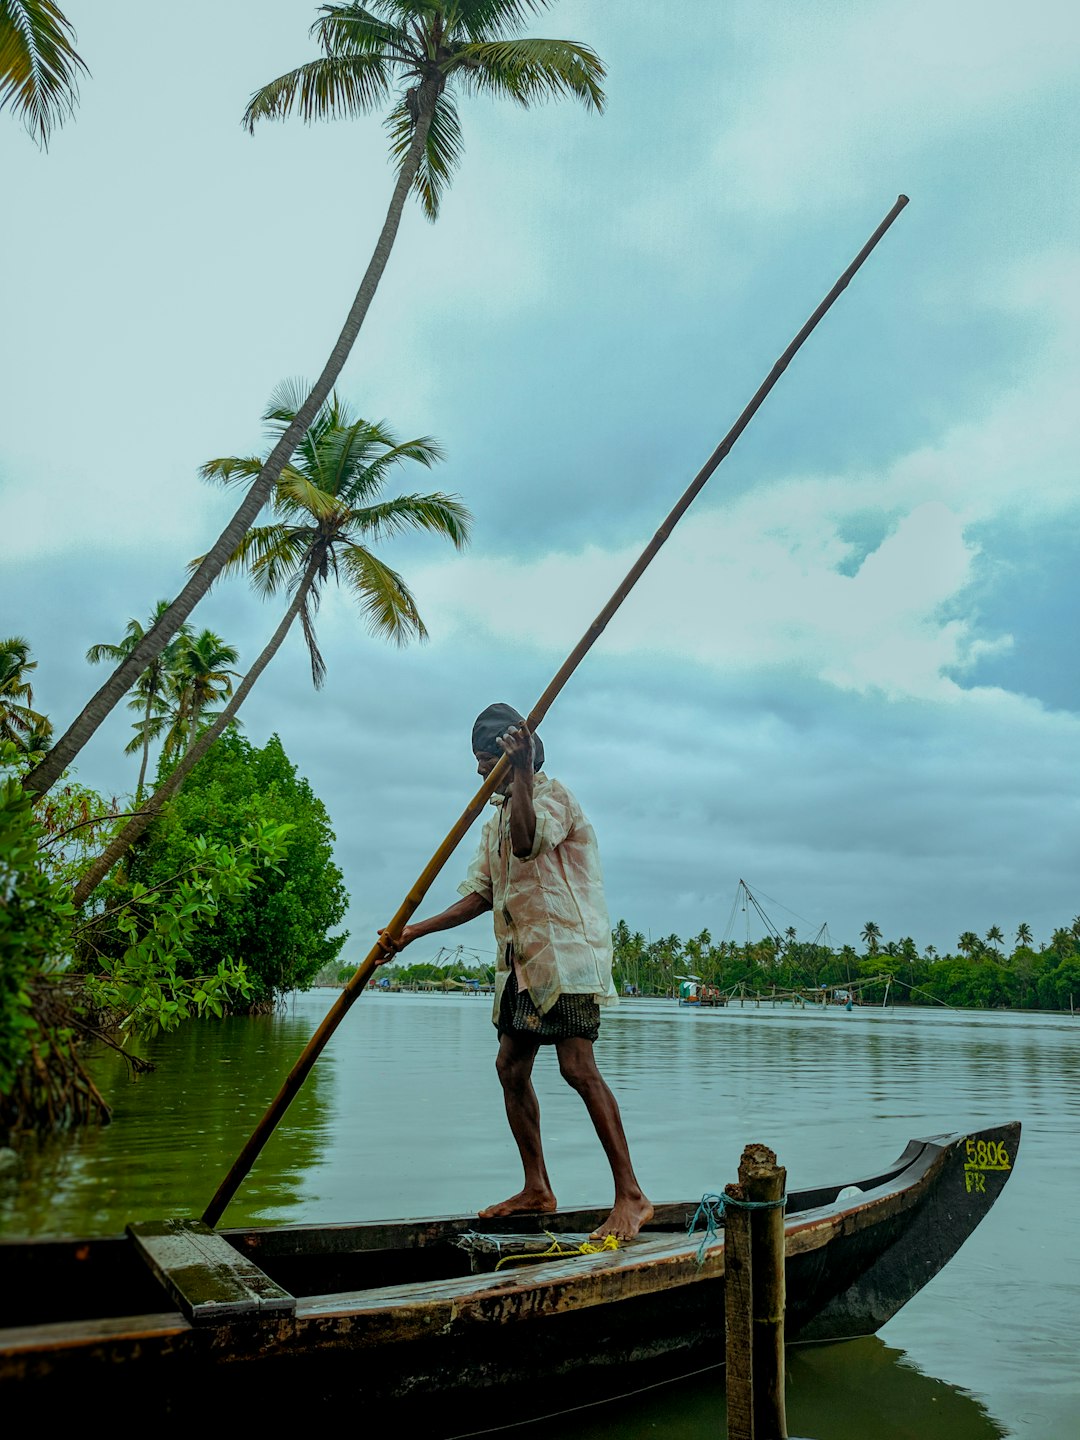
(572, 1017)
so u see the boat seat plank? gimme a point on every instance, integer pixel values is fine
(650, 1264)
(207, 1279)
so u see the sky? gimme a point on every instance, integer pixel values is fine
(849, 677)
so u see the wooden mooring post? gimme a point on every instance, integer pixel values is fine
(754, 1297)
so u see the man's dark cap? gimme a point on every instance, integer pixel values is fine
(491, 724)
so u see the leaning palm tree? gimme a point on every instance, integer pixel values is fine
(412, 54)
(39, 66)
(151, 683)
(328, 507)
(19, 721)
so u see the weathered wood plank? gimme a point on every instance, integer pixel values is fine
(204, 1275)
(70, 1334)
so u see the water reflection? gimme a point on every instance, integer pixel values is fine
(861, 1389)
(174, 1134)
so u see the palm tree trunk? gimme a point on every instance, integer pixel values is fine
(145, 747)
(44, 775)
(138, 823)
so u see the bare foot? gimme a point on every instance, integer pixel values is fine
(526, 1202)
(626, 1219)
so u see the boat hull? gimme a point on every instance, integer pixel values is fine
(452, 1319)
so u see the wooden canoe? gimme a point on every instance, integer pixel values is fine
(453, 1322)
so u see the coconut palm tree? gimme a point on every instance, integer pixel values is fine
(19, 721)
(194, 682)
(39, 66)
(150, 685)
(1023, 933)
(199, 678)
(969, 944)
(870, 935)
(994, 937)
(427, 49)
(328, 506)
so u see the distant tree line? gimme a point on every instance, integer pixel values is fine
(981, 975)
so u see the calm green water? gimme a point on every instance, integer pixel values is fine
(402, 1116)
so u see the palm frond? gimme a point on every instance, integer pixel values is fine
(257, 543)
(17, 721)
(356, 30)
(137, 703)
(282, 567)
(232, 469)
(442, 151)
(437, 513)
(385, 600)
(323, 89)
(297, 494)
(286, 400)
(146, 731)
(356, 460)
(97, 653)
(307, 623)
(478, 19)
(15, 664)
(529, 70)
(39, 66)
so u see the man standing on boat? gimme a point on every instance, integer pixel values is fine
(537, 868)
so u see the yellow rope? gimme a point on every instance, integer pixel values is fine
(556, 1248)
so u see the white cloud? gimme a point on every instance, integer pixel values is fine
(771, 580)
(737, 591)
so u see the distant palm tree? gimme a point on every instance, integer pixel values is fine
(151, 684)
(200, 677)
(870, 935)
(327, 506)
(430, 48)
(196, 680)
(1023, 934)
(19, 721)
(1063, 941)
(969, 943)
(994, 937)
(39, 66)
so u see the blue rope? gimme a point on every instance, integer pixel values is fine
(711, 1208)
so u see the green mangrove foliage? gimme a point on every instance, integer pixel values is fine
(124, 966)
(281, 929)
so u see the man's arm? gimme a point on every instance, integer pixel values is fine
(467, 908)
(517, 744)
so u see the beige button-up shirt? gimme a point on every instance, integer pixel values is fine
(551, 918)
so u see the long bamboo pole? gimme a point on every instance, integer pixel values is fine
(351, 991)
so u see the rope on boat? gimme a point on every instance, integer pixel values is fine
(556, 1248)
(711, 1209)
